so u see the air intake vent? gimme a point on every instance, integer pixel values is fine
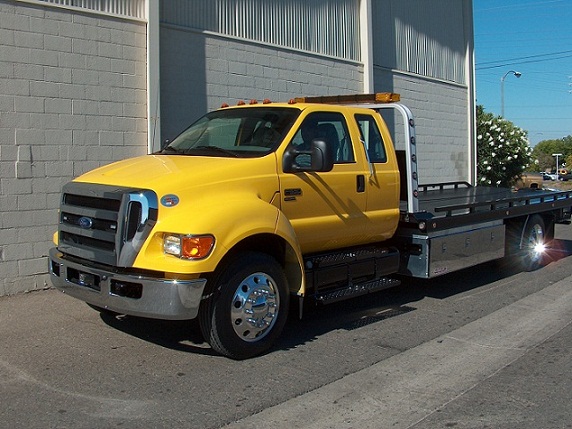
(133, 219)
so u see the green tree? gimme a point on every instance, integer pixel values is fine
(542, 161)
(542, 153)
(503, 152)
(568, 162)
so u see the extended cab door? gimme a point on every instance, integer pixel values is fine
(326, 209)
(382, 206)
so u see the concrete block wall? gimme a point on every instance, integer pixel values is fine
(72, 97)
(200, 71)
(257, 71)
(441, 117)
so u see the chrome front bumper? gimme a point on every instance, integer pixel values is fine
(127, 294)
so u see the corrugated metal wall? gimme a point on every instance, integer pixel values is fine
(130, 8)
(422, 50)
(409, 40)
(329, 27)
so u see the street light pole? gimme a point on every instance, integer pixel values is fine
(516, 74)
(557, 164)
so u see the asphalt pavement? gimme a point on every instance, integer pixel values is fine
(495, 353)
(510, 369)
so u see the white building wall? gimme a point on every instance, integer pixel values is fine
(73, 91)
(201, 71)
(72, 97)
(328, 27)
(430, 64)
(216, 51)
(442, 130)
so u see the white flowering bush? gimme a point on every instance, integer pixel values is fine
(503, 151)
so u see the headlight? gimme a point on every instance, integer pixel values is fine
(188, 246)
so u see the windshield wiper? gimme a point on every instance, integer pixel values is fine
(168, 149)
(214, 149)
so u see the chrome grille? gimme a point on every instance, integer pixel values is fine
(105, 224)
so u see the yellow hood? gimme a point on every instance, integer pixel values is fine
(178, 174)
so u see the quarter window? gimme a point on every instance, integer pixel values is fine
(370, 135)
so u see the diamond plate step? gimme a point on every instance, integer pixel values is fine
(356, 290)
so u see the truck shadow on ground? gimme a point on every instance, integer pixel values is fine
(350, 314)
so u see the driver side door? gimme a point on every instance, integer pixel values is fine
(326, 209)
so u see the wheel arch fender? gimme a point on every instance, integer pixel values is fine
(280, 243)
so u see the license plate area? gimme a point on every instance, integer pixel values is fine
(81, 278)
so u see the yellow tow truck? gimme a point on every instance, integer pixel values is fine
(261, 205)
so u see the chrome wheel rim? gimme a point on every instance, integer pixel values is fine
(254, 307)
(535, 245)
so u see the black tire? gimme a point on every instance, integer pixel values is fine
(247, 306)
(527, 243)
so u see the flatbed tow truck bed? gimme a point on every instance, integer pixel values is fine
(458, 204)
(458, 225)
(451, 226)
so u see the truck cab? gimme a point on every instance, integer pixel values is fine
(252, 189)
(337, 208)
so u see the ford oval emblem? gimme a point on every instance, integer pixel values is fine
(85, 222)
(169, 200)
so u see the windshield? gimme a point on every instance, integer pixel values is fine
(243, 132)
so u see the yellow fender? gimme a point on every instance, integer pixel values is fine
(251, 217)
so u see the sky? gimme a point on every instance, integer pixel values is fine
(534, 38)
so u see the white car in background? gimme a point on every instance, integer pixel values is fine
(549, 176)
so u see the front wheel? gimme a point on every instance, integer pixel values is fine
(248, 306)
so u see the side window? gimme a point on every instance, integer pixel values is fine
(332, 128)
(369, 133)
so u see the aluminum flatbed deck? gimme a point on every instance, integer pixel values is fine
(459, 204)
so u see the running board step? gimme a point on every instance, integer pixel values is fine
(356, 290)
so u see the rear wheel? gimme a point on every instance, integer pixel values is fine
(247, 307)
(528, 243)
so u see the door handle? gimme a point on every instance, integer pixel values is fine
(360, 183)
